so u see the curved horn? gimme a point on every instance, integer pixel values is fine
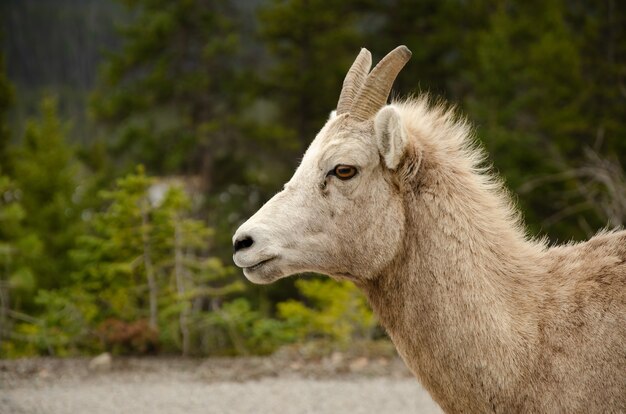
(375, 92)
(354, 81)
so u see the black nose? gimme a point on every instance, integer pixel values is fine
(243, 243)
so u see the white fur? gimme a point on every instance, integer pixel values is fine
(390, 136)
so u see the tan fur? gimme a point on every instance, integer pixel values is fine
(487, 319)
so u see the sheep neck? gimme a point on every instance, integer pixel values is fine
(457, 299)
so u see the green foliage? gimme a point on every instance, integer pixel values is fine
(337, 311)
(244, 331)
(194, 277)
(441, 35)
(312, 44)
(45, 173)
(530, 66)
(147, 259)
(39, 218)
(18, 249)
(110, 256)
(178, 98)
(64, 328)
(166, 92)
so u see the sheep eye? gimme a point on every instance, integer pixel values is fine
(344, 172)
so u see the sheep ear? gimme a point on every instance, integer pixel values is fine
(390, 136)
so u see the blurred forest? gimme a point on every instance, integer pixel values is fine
(136, 135)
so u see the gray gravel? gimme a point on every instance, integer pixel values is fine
(207, 386)
(268, 395)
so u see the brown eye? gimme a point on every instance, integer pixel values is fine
(344, 172)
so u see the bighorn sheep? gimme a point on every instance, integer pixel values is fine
(394, 199)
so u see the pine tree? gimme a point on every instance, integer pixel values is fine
(145, 258)
(116, 257)
(598, 29)
(312, 44)
(197, 279)
(18, 250)
(170, 93)
(529, 97)
(45, 171)
(441, 35)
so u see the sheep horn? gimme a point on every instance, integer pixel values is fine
(354, 81)
(375, 92)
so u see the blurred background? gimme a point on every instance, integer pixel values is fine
(136, 135)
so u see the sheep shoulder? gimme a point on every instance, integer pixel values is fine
(581, 327)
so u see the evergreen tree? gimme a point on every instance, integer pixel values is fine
(170, 93)
(312, 45)
(178, 99)
(116, 258)
(46, 172)
(18, 250)
(146, 259)
(598, 30)
(441, 35)
(531, 97)
(196, 280)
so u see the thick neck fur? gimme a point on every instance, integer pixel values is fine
(458, 300)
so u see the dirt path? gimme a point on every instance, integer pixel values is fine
(172, 386)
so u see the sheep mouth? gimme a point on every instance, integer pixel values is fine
(259, 265)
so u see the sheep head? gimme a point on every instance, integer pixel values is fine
(341, 213)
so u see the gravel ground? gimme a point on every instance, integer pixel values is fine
(242, 385)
